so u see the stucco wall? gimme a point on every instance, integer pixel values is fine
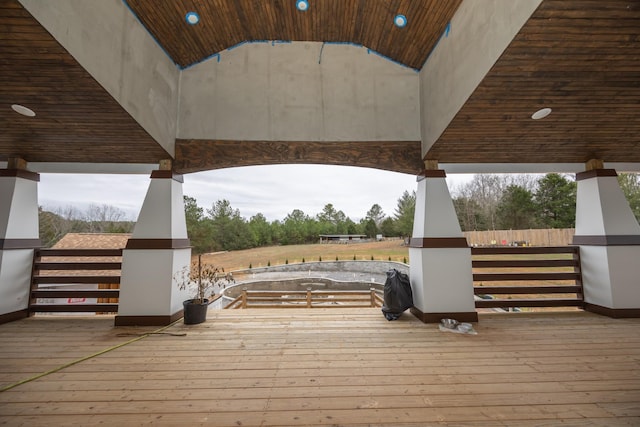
(299, 91)
(18, 208)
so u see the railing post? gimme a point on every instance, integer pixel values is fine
(373, 297)
(34, 285)
(308, 297)
(578, 269)
(244, 298)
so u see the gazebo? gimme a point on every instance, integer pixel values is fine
(431, 87)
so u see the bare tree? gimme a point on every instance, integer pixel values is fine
(484, 192)
(103, 213)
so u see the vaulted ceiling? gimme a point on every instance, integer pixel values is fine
(579, 57)
(226, 23)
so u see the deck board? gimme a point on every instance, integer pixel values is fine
(325, 367)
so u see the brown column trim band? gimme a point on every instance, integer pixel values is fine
(431, 173)
(616, 313)
(20, 173)
(165, 174)
(20, 244)
(158, 244)
(619, 240)
(147, 320)
(438, 242)
(13, 316)
(437, 317)
(594, 173)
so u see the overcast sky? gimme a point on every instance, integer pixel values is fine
(274, 191)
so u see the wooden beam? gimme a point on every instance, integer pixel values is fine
(199, 155)
(45, 252)
(530, 290)
(166, 164)
(515, 277)
(76, 279)
(539, 302)
(16, 163)
(75, 293)
(431, 165)
(593, 164)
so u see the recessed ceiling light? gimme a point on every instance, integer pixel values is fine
(400, 21)
(192, 18)
(302, 5)
(541, 114)
(21, 109)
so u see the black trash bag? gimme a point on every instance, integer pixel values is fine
(397, 294)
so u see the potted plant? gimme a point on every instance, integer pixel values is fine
(201, 279)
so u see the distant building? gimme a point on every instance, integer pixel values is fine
(342, 238)
(93, 241)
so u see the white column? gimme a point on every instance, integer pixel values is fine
(19, 235)
(157, 250)
(609, 239)
(440, 257)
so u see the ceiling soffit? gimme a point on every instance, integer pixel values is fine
(76, 119)
(581, 58)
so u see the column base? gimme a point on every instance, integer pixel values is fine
(147, 320)
(13, 316)
(436, 317)
(616, 313)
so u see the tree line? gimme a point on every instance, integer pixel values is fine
(222, 228)
(487, 202)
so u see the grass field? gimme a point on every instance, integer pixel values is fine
(276, 255)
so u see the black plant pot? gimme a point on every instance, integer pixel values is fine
(194, 312)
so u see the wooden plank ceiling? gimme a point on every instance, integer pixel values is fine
(226, 23)
(581, 58)
(76, 119)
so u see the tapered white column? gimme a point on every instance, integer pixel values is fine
(609, 239)
(19, 236)
(440, 257)
(157, 250)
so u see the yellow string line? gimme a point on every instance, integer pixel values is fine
(75, 362)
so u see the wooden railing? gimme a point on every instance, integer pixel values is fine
(306, 299)
(98, 269)
(532, 277)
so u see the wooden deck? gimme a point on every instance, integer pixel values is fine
(268, 367)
